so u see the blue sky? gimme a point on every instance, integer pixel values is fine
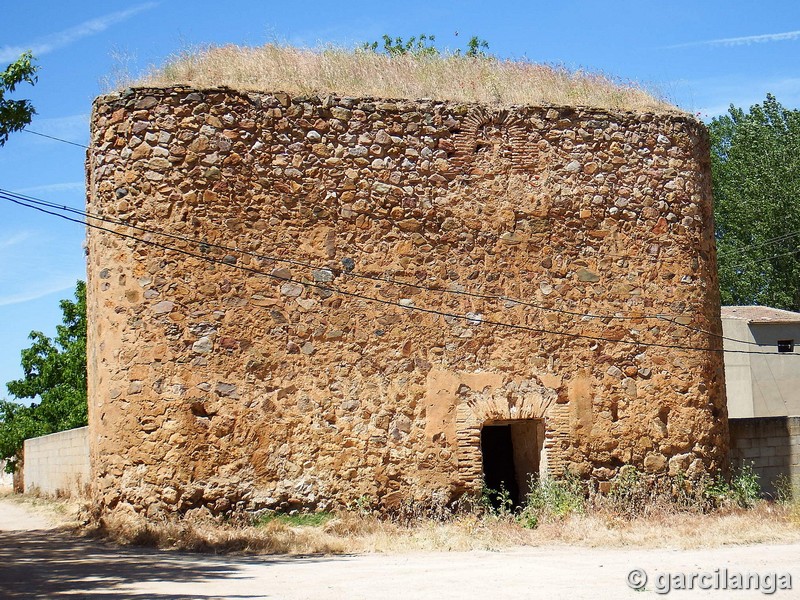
(702, 56)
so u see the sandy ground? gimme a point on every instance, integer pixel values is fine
(39, 561)
(16, 517)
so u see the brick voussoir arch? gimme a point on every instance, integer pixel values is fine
(477, 408)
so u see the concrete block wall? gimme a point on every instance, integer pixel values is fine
(58, 464)
(771, 445)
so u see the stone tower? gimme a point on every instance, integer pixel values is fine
(318, 299)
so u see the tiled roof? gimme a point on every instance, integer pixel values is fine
(760, 314)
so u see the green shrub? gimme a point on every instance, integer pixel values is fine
(298, 519)
(785, 490)
(415, 46)
(552, 499)
(496, 502)
(424, 45)
(529, 519)
(743, 489)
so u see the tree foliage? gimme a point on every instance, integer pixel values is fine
(423, 45)
(416, 46)
(476, 47)
(16, 114)
(54, 377)
(755, 158)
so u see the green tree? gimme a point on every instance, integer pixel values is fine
(54, 377)
(755, 161)
(476, 47)
(415, 46)
(423, 45)
(16, 114)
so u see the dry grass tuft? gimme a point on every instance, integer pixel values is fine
(207, 535)
(345, 533)
(61, 511)
(351, 532)
(361, 73)
(766, 523)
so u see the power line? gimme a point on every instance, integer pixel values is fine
(667, 318)
(328, 288)
(662, 317)
(764, 259)
(57, 139)
(605, 254)
(467, 318)
(767, 242)
(300, 263)
(470, 294)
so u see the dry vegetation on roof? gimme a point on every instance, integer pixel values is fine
(363, 73)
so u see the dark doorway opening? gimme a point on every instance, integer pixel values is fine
(511, 454)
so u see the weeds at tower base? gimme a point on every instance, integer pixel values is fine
(631, 495)
(671, 512)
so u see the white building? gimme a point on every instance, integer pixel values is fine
(763, 387)
(768, 385)
(6, 479)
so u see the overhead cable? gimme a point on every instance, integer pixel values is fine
(471, 319)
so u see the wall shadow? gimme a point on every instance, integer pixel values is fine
(50, 563)
(769, 445)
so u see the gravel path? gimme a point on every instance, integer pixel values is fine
(17, 517)
(38, 561)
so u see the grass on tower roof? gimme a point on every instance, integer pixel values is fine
(362, 73)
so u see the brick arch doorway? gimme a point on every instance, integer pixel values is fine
(489, 420)
(511, 456)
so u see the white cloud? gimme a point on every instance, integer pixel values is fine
(744, 40)
(66, 37)
(34, 266)
(67, 186)
(58, 285)
(707, 113)
(15, 239)
(73, 128)
(712, 96)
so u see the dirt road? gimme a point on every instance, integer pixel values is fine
(16, 517)
(37, 561)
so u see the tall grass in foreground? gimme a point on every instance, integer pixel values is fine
(635, 511)
(349, 532)
(489, 80)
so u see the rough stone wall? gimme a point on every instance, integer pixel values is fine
(223, 379)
